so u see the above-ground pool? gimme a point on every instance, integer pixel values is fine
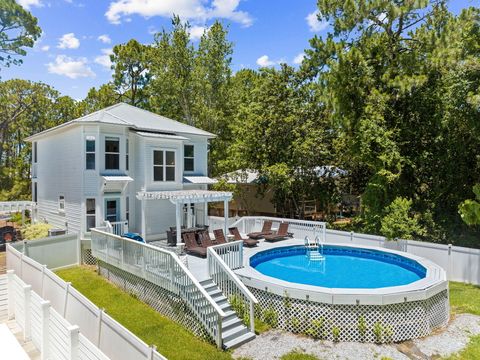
(341, 267)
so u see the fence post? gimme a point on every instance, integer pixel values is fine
(172, 275)
(21, 265)
(450, 260)
(73, 340)
(45, 323)
(218, 340)
(27, 303)
(10, 292)
(151, 353)
(99, 326)
(67, 288)
(42, 294)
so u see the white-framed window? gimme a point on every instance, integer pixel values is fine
(127, 151)
(61, 203)
(35, 152)
(163, 165)
(112, 153)
(188, 158)
(127, 209)
(90, 153)
(90, 214)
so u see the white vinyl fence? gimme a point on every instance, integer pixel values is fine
(97, 328)
(461, 264)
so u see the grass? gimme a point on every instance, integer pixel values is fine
(298, 355)
(172, 340)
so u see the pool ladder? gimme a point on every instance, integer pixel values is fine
(314, 249)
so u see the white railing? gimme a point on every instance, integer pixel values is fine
(299, 228)
(118, 227)
(51, 334)
(231, 253)
(162, 268)
(101, 336)
(16, 206)
(228, 282)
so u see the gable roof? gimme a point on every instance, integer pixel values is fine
(131, 116)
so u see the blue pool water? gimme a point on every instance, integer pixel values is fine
(343, 267)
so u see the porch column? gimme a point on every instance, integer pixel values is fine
(144, 221)
(178, 222)
(225, 216)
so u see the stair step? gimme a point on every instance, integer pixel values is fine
(231, 323)
(214, 292)
(239, 341)
(218, 297)
(234, 332)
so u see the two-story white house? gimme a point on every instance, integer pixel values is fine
(122, 166)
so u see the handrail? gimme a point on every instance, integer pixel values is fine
(214, 260)
(216, 333)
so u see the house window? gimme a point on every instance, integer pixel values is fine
(188, 158)
(112, 153)
(90, 214)
(35, 155)
(126, 154)
(61, 203)
(163, 165)
(90, 153)
(127, 209)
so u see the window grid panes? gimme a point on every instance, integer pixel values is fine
(90, 214)
(188, 158)
(61, 202)
(112, 154)
(90, 154)
(163, 165)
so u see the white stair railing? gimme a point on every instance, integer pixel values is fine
(162, 268)
(231, 253)
(227, 281)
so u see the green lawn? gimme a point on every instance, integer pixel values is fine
(172, 340)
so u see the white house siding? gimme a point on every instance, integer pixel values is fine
(59, 173)
(200, 148)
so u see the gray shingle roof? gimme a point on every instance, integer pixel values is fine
(131, 116)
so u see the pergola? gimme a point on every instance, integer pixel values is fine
(181, 197)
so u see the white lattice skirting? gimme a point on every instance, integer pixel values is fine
(362, 323)
(162, 300)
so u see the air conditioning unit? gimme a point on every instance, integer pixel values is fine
(56, 232)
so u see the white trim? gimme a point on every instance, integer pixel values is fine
(164, 166)
(186, 196)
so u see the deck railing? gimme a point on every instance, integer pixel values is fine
(16, 206)
(118, 227)
(162, 268)
(299, 228)
(222, 275)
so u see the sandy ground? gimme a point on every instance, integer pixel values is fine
(275, 343)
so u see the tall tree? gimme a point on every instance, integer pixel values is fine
(18, 30)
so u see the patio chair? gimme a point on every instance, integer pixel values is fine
(281, 234)
(246, 242)
(204, 238)
(266, 230)
(219, 236)
(191, 246)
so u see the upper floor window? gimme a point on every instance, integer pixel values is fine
(126, 154)
(112, 153)
(188, 158)
(163, 165)
(61, 203)
(90, 153)
(35, 150)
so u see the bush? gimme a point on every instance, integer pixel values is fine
(35, 231)
(17, 218)
(399, 222)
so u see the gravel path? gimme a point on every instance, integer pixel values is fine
(275, 343)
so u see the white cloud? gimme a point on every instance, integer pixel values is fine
(45, 48)
(197, 10)
(68, 41)
(299, 58)
(196, 32)
(265, 61)
(69, 67)
(314, 24)
(27, 4)
(104, 59)
(105, 39)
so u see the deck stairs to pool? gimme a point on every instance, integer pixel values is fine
(234, 331)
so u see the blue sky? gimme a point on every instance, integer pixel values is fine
(72, 54)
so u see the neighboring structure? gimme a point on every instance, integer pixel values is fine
(110, 165)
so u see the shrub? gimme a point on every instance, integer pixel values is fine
(399, 222)
(270, 316)
(378, 332)
(295, 324)
(35, 231)
(362, 326)
(316, 329)
(336, 333)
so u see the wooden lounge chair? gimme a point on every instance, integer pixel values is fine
(281, 234)
(219, 236)
(191, 246)
(246, 242)
(266, 230)
(204, 239)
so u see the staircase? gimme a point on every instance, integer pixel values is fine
(234, 332)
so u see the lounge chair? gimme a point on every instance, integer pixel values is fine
(219, 236)
(191, 246)
(204, 238)
(281, 234)
(266, 230)
(246, 242)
